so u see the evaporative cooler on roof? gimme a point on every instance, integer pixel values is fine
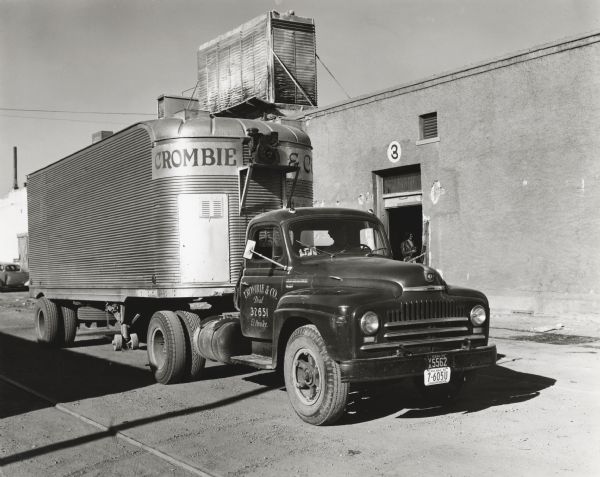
(271, 59)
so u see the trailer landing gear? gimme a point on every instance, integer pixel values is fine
(125, 340)
(119, 342)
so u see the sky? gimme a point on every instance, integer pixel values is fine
(78, 58)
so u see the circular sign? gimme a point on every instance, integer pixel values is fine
(394, 151)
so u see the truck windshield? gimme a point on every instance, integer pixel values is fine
(336, 236)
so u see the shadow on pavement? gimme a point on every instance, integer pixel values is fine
(555, 339)
(91, 341)
(62, 374)
(495, 386)
(14, 401)
(65, 375)
(219, 370)
(114, 430)
(273, 379)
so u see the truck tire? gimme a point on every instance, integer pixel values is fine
(166, 345)
(48, 322)
(194, 362)
(312, 379)
(69, 317)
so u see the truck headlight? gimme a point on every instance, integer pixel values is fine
(369, 323)
(478, 315)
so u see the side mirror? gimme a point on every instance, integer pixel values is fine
(249, 249)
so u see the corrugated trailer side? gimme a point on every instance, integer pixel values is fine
(132, 229)
(103, 228)
(91, 220)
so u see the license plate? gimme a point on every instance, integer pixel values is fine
(435, 376)
(437, 361)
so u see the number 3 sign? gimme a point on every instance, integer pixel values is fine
(394, 151)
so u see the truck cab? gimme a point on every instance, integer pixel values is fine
(321, 297)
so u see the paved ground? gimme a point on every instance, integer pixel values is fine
(536, 413)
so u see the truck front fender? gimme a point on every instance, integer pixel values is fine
(335, 335)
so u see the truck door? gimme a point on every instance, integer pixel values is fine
(262, 282)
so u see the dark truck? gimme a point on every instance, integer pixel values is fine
(321, 296)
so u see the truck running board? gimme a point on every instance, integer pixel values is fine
(254, 360)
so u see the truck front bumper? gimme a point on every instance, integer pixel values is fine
(395, 367)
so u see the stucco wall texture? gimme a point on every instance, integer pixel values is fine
(516, 170)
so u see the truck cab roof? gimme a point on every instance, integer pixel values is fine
(283, 215)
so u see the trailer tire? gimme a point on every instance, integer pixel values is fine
(194, 361)
(69, 317)
(48, 322)
(166, 345)
(312, 379)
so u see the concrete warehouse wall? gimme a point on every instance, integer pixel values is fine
(512, 186)
(13, 221)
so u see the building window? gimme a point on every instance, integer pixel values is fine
(428, 126)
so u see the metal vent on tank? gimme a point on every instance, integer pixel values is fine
(211, 209)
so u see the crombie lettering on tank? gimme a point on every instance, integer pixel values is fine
(196, 158)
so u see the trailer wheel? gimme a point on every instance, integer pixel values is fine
(166, 345)
(69, 316)
(194, 362)
(134, 341)
(312, 379)
(48, 323)
(117, 343)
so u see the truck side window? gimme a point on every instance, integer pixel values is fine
(268, 243)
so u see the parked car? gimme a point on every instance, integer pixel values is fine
(12, 277)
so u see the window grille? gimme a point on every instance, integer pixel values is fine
(211, 209)
(428, 125)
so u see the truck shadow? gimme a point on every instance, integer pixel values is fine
(66, 375)
(495, 386)
(120, 429)
(62, 375)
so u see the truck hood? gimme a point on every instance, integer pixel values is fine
(353, 271)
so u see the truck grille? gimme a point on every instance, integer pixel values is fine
(425, 309)
(426, 325)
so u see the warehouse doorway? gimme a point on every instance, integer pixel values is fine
(401, 222)
(401, 195)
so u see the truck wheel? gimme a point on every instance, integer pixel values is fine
(48, 323)
(166, 347)
(312, 379)
(194, 362)
(69, 316)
